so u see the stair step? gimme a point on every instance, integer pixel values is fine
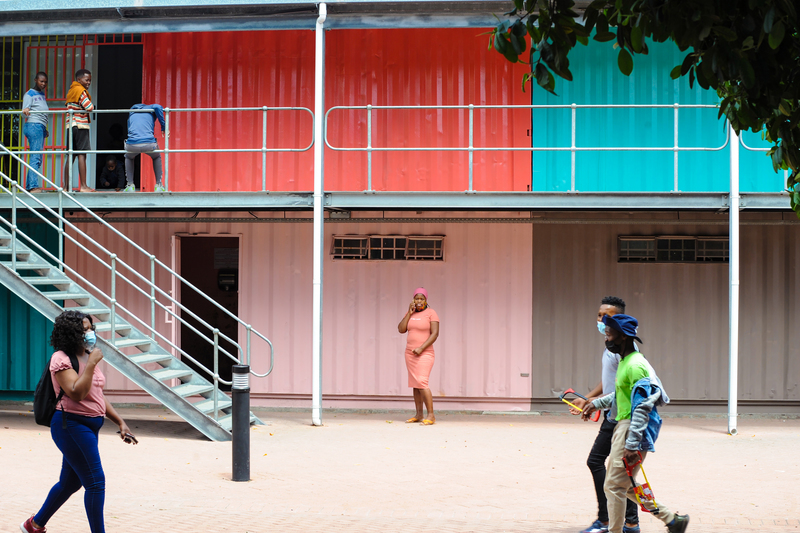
(190, 389)
(146, 357)
(94, 311)
(66, 295)
(21, 250)
(227, 421)
(126, 342)
(106, 326)
(207, 406)
(171, 373)
(39, 280)
(25, 265)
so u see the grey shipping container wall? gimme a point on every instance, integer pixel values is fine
(24, 333)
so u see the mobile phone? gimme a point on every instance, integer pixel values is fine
(129, 438)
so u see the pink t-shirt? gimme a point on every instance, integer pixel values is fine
(94, 404)
(419, 329)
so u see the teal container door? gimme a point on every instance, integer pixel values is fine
(597, 81)
(24, 333)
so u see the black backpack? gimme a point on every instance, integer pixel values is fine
(44, 398)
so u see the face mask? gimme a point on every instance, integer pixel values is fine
(89, 339)
(601, 328)
(613, 348)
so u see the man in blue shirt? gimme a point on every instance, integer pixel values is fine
(142, 140)
(35, 128)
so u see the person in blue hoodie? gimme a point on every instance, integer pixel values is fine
(35, 129)
(637, 394)
(142, 140)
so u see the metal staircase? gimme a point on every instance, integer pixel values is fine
(26, 271)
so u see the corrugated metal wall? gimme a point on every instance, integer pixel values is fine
(378, 67)
(24, 333)
(401, 67)
(480, 292)
(233, 69)
(492, 329)
(682, 309)
(599, 82)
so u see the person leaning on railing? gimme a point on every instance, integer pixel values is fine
(142, 140)
(80, 103)
(77, 421)
(35, 130)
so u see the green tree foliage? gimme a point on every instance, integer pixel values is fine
(748, 51)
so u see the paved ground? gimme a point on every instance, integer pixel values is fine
(373, 473)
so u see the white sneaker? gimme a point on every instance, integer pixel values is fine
(130, 188)
(160, 188)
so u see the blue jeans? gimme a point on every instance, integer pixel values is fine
(80, 467)
(34, 132)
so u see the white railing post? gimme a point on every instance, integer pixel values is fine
(733, 312)
(675, 151)
(216, 374)
(471, 142)
(574, 110)
(61, 229)
(153, 296)
(264, 150)
(68, 186)
(13, 185)
(113, 301)
(249, 329)
(319, 153)
(166, 148)
(369, 147)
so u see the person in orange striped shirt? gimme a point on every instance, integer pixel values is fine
(80, 103)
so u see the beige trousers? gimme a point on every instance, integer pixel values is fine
(618, 485)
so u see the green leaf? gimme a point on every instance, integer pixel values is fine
(726, 33)
(543, 77)
(705, 32)
(636, 39)
(601, 24)
(605, 37)
(675, 73)
(769, 19)
(582, 39)
(776, 35)
(747, 72)
(691, 78)
(518, 43)
(525, 78)
(688, 62)
(518, 4)
(784, 108)
(625, 62)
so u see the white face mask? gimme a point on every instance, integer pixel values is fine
(89, 339)
(601, 328)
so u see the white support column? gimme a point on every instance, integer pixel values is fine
(319, 152)
(733, 313)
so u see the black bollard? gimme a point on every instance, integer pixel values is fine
(240, 428)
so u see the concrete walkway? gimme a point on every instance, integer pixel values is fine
(373, 472)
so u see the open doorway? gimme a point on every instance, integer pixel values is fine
(210, 263)
(119, 86)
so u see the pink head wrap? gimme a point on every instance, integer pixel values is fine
(422, 292)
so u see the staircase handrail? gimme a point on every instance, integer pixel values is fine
(245, 355)
(77, 274)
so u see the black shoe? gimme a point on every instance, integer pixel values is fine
(679, 523)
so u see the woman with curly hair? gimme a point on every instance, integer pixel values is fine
(77, 420)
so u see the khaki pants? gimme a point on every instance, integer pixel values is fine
(618, 485)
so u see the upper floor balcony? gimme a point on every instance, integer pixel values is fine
(405, 126)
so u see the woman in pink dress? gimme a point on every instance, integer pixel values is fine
(422, 324)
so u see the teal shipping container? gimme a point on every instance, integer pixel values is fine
(598, 81)
(24, 333)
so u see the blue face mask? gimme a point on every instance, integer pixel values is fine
(89, 339)
(601, 328)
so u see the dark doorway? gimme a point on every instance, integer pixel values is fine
(212, 265)
(119, 86)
